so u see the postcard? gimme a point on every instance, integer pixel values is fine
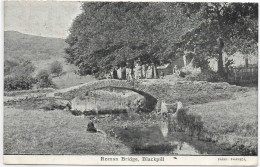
(130, 83)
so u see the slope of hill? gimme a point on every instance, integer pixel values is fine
(18, 45)
(42, 51)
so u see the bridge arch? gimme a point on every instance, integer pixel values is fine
(142, 89)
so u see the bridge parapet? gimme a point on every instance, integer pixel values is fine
(151, 92)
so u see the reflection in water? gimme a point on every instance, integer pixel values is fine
(164, 128)
(182, 148)
(156, 136)
(151, 138)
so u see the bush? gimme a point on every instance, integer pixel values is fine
(182, 74)
(18, 68)
(18, 75)
(44, 80)
(190, 123)
(207, 75)
(56, 68)
(18, 83)
(52, 105)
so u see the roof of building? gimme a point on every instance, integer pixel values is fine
(163, 66)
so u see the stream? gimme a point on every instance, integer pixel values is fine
(154, 136)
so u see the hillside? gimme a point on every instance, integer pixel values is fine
(42, 51)
(18, 45)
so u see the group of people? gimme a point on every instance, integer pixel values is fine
(139, 71)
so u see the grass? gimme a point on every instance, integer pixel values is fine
(26, 92)
(68, 77)
(54, 132)
(222, 110)
(192, 92)
(234, 121)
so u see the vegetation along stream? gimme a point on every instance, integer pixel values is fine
(151, 133)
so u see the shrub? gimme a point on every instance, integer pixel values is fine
(18, 75)
(18, 82)
(190, 123)
(56, 68)
(44, 80)
(182, 74)
(9, 65)
(207, 75)
(18, 68)
(76, 112)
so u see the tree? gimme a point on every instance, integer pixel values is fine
(43, 79)
(9, 65)
(19, 67)
(224, 27)
(18, 82)
(107, 34)
(56, 68)
(18, 74)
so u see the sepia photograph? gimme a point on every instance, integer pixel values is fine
(130, 83)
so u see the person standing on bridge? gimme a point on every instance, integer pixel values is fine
(115, 76)
(123, 73)
(138, 70)
(128, 72)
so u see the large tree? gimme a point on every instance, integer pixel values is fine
(108, 33)
(224, 27)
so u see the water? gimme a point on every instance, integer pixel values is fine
(152, 141)
(155, 136)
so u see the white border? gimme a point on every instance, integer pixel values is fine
(70, 160)
(96, 160)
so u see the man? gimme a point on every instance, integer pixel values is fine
(128, 72)
(123, 73)
(138, 70)
(162, 75)
(91, 127)
(115, 73)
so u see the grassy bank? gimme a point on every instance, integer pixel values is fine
(54, 132)
(232, 124)
(217, 113)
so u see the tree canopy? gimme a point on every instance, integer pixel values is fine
(106, 34)
(225, 27)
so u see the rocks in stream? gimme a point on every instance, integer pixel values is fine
(53, 104)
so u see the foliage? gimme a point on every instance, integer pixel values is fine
(52, 105)
(190, 123)
(44, 80)
(182, 74)
(9, 65)
(206, 75)
(18, 83)
(18, 67)
(56, 68)
(18, 75)
(108, 34)
(232, 25)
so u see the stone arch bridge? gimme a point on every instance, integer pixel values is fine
(152, 93)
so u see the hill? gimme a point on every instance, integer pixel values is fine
(42, 51)
(19, 45)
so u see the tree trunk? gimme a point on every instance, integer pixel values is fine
(246, 62)
(220, 63)
(220, 56)
(155, 72)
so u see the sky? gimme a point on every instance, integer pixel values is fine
(47, 19)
